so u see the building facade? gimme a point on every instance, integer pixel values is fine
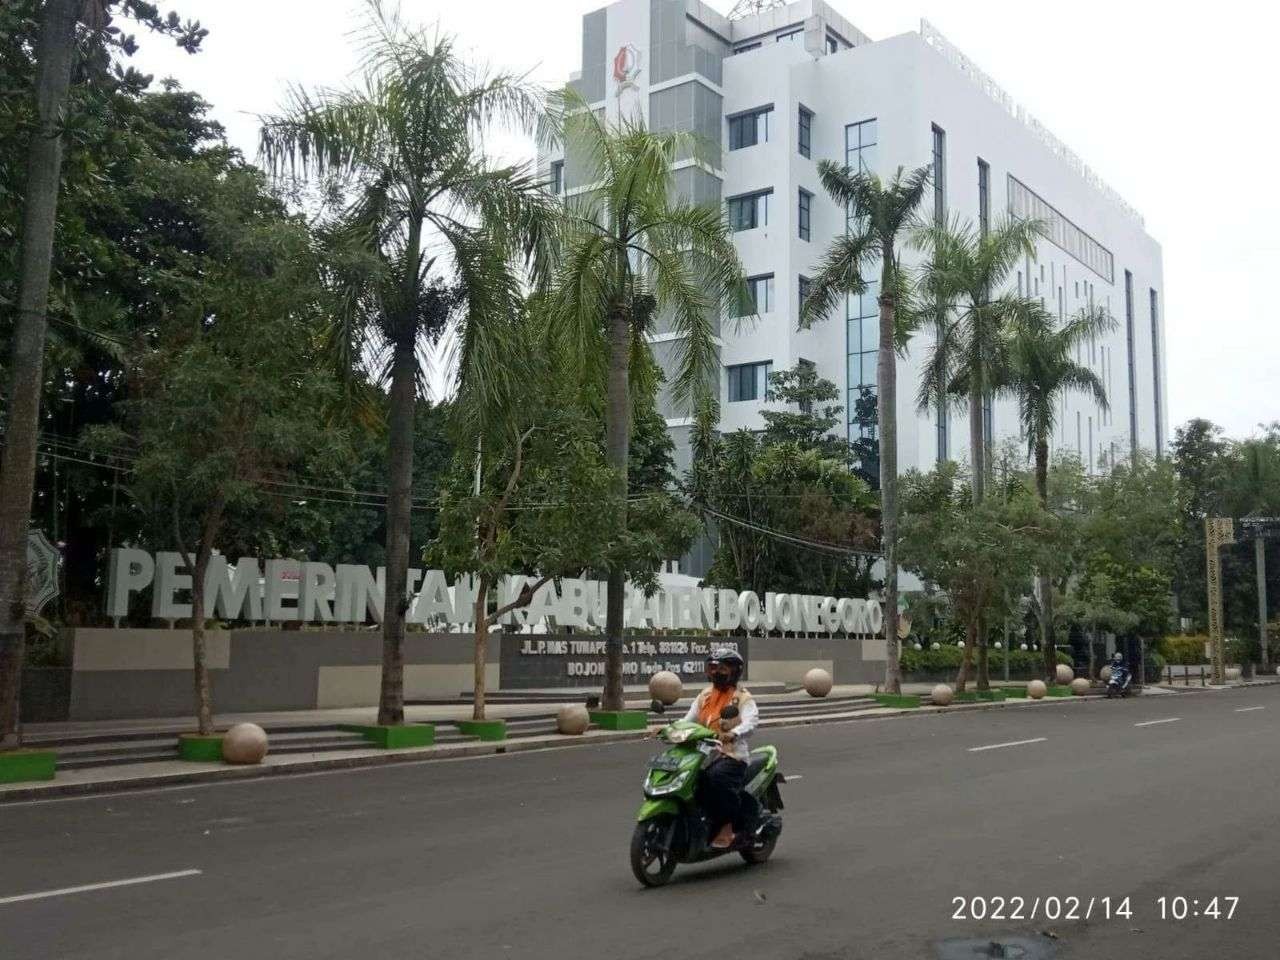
(777, 91)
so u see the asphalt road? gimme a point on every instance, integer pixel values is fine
(525, 856)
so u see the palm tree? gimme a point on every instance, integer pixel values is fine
(1042, 372)
(404, 144)
(55, 57)
(971, 354)
(632, 253)
(882, 213)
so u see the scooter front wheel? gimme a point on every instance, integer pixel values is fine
(651, 862)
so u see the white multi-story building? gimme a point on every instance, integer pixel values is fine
(778, 90)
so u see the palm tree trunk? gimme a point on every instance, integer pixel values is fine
(482, 639)
(56, 55)
(1045, 583)
(403, 394)
(887, 413)
(977, 441)
(617, 441)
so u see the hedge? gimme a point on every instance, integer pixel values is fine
(948, 658)
(1183, 650)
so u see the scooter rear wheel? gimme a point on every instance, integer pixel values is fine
(652, 865)
(761, 853)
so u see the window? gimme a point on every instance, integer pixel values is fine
(1133, 378)
(748, 129)
(805, 217)
(758, 297)
(805, 286)
(747, 46)
(749, 381)
(557, 177)
(1027, 204)
(749, 211)
(805, 141)
(862, 337)
(833, 45)
(859, 157)
(984, 197)
(939, 174)
(1155, 367)
(792, 35)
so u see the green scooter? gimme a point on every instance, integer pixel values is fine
(671, 828)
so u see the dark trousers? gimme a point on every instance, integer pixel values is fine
(722, 784)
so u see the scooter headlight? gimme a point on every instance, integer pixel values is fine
(674, 785)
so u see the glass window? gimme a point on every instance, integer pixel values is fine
(939, 174)
(806, 132)
(984, 197)
(749, 381)
(749, 211)
(748, 129)
(806, 214)
(792, 35)
(1155, 368)
(804, 287)
(557, 177)
(758, 297)
(833, 45)
(746, 46)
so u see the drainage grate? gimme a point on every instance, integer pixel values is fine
(1006, 948)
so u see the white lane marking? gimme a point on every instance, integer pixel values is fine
(1013, 743)
(1152, 723)
(1247, 709)
(44, 894)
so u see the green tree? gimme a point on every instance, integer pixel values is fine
(404, 146)
(225, 393)
(42, 121)
(883, 213)
(809, 414)
(978, 554)
(1042, 370)
(633, 255)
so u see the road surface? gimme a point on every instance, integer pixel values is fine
(525, 856)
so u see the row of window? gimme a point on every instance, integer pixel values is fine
(834, 44)
(751, 127)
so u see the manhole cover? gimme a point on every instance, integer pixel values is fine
(1006, 948)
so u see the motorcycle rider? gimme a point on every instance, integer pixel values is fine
(724, 777)
(1119, 669)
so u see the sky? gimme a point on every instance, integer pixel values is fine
(1171, 109)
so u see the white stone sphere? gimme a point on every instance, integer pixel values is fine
(817, 682)
(917, 646)
(1105, 673)
(665, 687)
(572, 719)
(999, 645)
(1233, 674)
(960, 644)
(1063, 674)
(1024, 646)
(1278, 669)
(942, 695)
(244, 743)
(1036, 689)
(937, 646)
(1079, 686)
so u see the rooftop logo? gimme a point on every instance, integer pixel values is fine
(626, 66)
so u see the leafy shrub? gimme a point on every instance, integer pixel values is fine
(1183, 650)
(947, 658)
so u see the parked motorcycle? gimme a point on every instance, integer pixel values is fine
(671, 828)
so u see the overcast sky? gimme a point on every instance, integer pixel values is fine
(1173, 110)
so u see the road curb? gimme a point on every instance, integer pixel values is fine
(219, 774)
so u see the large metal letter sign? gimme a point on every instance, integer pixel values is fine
(1218, 531)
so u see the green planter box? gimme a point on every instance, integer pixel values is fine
(192, 746)
(620, 719)
(484, 729)
(396, 737)
(901, 700)
(21, 766)
(1019, 693)
(1056, 691)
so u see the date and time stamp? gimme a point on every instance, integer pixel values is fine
(1176, 908)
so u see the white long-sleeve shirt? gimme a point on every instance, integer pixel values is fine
(748, 719)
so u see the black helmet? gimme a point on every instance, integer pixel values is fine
(730, 658)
